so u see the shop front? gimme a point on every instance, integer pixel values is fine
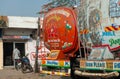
(8, 47)
(12, 38)
(16, 31)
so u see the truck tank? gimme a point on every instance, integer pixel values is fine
(60, 32)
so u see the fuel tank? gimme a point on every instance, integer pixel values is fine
(60, 30)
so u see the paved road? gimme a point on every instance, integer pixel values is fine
(11, 73)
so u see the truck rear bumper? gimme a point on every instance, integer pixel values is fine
(102, 75)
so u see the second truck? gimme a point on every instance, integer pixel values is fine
(85, 38)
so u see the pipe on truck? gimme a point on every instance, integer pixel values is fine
(102, 75)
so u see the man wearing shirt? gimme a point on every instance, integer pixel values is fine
(16, 56)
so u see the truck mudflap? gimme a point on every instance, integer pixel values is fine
(102, 75)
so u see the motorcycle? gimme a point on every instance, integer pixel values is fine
(25, 64)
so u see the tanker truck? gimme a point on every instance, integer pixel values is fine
(87, 42)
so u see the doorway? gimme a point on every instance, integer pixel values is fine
(8, 51)
(7, 48)
(21, 47)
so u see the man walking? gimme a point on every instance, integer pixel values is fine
(16, 56)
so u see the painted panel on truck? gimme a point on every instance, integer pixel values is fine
(56, 63)
(101, 22)
(60, 29)
(108, 65)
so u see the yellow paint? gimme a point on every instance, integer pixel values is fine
(112, 28)
(57, 18)
(109, 65)
(106, 30)
(119, 28)
(85, 31)
(61, 63)
(54, 54)
(55, 73)
(1, 54)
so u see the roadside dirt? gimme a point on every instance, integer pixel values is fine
(11, 73)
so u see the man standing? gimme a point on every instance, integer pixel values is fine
(16, 56)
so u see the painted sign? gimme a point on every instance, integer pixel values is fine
(114, 8)
(40, 56)
(22, 22)
(52, 63)
(103, 23)
(16, 37)
(96, 64)
(116, 65)
(31, 49)
(113, 41)
(109, 65)
(58, 63)
(111, 28)
(82, 64)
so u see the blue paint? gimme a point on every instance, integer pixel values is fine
(108, 33)
(67, 64)
(88, 64)
(95, 64)
(117, 65)
(52, 63)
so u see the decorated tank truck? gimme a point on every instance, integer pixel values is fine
(84, 39)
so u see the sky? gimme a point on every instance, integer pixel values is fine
(27, 8)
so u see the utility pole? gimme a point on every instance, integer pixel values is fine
(37, 46)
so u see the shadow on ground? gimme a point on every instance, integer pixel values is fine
(65, 77)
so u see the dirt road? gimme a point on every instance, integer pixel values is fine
(11, 73)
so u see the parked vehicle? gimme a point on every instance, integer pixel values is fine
(88, 38)
(25, 65)
(18, 64)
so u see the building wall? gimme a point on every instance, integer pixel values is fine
(22, 22)
(30, 47)
(1, 54)
(19, 29)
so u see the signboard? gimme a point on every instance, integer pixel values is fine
(53, 54)
(82, 64)
(116, 65)
(57, 63)
(16, 37)
(31, 49)
(95, 64)
(40, 56)
(108, 65)
(114, 8)
(22, 22)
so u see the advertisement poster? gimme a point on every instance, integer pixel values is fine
(42, 51)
